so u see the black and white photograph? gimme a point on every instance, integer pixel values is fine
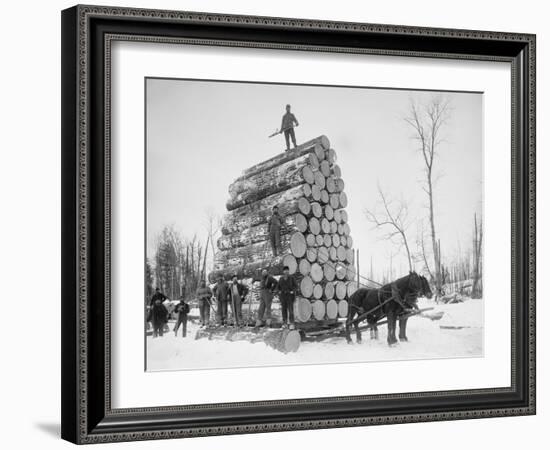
(295, 224)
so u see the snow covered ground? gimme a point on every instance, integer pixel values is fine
(458, 334)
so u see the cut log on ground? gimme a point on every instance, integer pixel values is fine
(283, 340)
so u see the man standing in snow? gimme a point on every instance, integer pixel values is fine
(238, 294)
(182, 309)
(221, 293)
(204, 295)
(267, 285)
(287, 126)
(157, 295)
(274, 230)
(159, 317)
(287, 292)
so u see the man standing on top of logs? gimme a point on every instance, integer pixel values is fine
(287, 293)
(274, 229)
(238, 294)
(287, 126)
(221, 294)
(268, 284)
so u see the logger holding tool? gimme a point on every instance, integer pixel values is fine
(287, 126)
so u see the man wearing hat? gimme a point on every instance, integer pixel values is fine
(268, 285)
(287, 126)
(157, 296)
(222, 295)
(274, 230)
(238, 295)
(287, 287)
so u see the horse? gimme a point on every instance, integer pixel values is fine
(379, 303)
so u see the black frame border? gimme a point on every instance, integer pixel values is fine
(87, 32)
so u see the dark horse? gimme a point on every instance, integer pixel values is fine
(382, 303)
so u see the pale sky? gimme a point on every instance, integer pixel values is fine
(202, 134)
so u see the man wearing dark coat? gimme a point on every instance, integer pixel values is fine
(181, 310)
(204, 294)
(157, 295)
(159, 317)
(274, 230)
(287, 287)
(287, 126)
(222, 295)
(238, 295)
(268, 284)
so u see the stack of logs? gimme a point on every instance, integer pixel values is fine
(307, 186)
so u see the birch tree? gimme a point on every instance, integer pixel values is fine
(427, 121)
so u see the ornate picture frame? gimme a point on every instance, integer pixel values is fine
(87, 35)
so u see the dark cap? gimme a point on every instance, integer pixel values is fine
(286, 268)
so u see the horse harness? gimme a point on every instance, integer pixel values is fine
(381, 303)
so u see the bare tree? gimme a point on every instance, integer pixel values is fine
(477, 243)
(422, 250)
(427, 121)
(213, 226)
(393, 216)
